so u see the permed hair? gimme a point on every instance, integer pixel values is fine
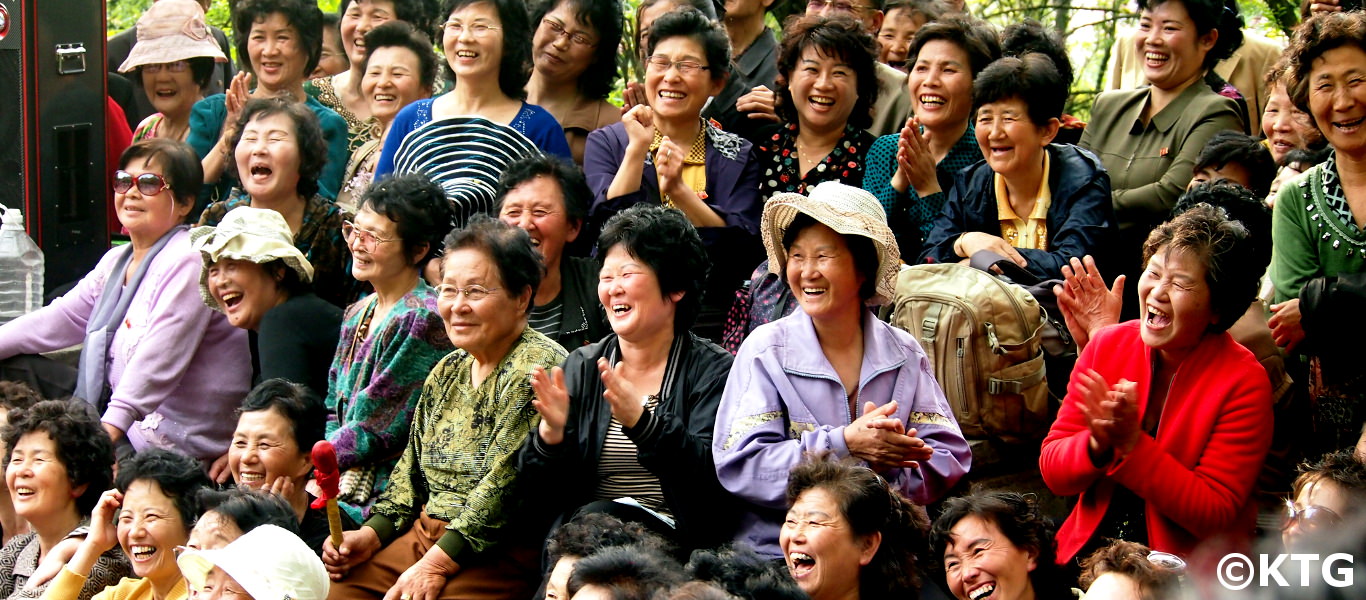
(839, 37)
(518, 262)
(179, 165)
(574, 187)
(1222, 245)
(1130, 559)
(606, 20)
(1239, 148)
(81, 444)
(297, 403)
(178, 476)
(627, 572)
(1239, 204)
(743, 573)
(304, 16)
(1311, 40)
(418, 208)
(308, 135)
(17, 395)
(691, 23)
(400, 34)
(1032, 36)
(1032, 79)
(978, 39)
(1210, 15)
(669, 245)
(590, 532)
(1018, 518)
(515, 69)
(1343, 469)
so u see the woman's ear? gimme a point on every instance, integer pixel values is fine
(420, 251)
(869, 545)
(675, 297)
(1033, 554)
(1050, 130)
(1208, 40)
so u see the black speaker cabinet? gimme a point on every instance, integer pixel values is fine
(52, 129)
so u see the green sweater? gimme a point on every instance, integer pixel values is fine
(1309, 238)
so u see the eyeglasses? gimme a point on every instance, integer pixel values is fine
(367, 239)
(836, 4)
(478, 30)
(578, 37)
(1310, 518)
(175, 67)
(660, 62)
(473, 293)
(149, 184)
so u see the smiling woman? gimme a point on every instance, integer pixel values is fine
(996, 544)
(175, 59)
(574, 53)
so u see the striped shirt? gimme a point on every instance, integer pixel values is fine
(546, 317)
(620, 474)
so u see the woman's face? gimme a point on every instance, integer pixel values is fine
(648, 18)
(264, 449)
(941, 85)
(824, 90)
(149, 215)
(981, 560)
(672, 93)
(1010, 141)
(213, 531)
(218, 585)
(822, 274)
(822, 551)
(277, 55)
(392, 81)
(894, 40)
(171, 87)
(1337, 98)
(629, 289)
(268, 158)
(149, 530)
(39, 484)
(1173, 51)
(563, 47)
(1318, 495)
(537, 206)
(1175, 300)
(480, 326)
(1285, 126)
(1113, 585)
(375, 261)
(557, 585)
(245, 291)
(473, 41)
(360, 17)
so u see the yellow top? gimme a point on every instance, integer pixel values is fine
(1031, 233)
(694, 172)
(68, 583)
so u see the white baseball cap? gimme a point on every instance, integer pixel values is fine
(269, 563)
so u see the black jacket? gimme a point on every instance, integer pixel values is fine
(1081, 219)
(674, 441)
(1330, 313)
(582, 320)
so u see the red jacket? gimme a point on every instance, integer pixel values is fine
(1197, 475)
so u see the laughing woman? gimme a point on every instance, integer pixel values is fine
(575, 56)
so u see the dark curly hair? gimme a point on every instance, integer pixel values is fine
(249, 509)
(17, 395)
(82, 445)
(179, 165)
(606, 20)
(743, 573)
(308, 135)
(297, 403)
(838, 36)
(1032, 36)
(1032, 79)
(518, 262)
(400, 34)
(1222, 245)
(421, 14)
(590, 532)
(871, 506)
(1342, 468)
(978, 39)
(1239, 148)
(1239, 204)
(1323, 32)
(577, 196)
(628, 572)
(1130, 559)
(417, 207)
(861, 247)
(515, 69)
(667, 242)
(689, 22)
(1019, 519)
(1210, 15)
(304, 16)
(179, 477)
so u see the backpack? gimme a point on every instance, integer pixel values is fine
(984, 336)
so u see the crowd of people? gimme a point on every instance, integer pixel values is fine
(561, 347)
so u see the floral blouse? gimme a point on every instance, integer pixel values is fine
(782, 170)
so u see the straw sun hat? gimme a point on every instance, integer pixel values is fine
(845, 209)
(253, 234)
(172, 30)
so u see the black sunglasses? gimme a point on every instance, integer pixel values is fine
(149, 184)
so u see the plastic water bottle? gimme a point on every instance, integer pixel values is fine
(21, 268)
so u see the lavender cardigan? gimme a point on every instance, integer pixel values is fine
(177, 369)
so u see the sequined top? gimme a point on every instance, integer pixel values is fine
(1314, 232)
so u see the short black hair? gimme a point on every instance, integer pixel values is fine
(667, 242)
(401, 34)
(1237, 147)
(179, 477)
(839, 36)
(861, 247)
(1222, 245)
(515, 69)
(286, 278)
(1032, 36)
(577, 196)
(179, 165)
(743, 573)
(298, 404)
(308, 134)
(1221, 15)
(978, 39)
(1031, 79)
(689, 22)
(590, 532)
(419, 13)
(1019, 519)
(518, 262)
(304, 16)
(81, 443)
(419, 209)
(628, 572)
(608, 23)
(250, 509)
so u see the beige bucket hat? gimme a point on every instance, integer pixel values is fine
(169, 31)
(254, 234)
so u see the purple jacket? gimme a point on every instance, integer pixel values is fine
(178, 370)
(783, 398)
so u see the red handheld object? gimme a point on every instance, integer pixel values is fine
(325, 472)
